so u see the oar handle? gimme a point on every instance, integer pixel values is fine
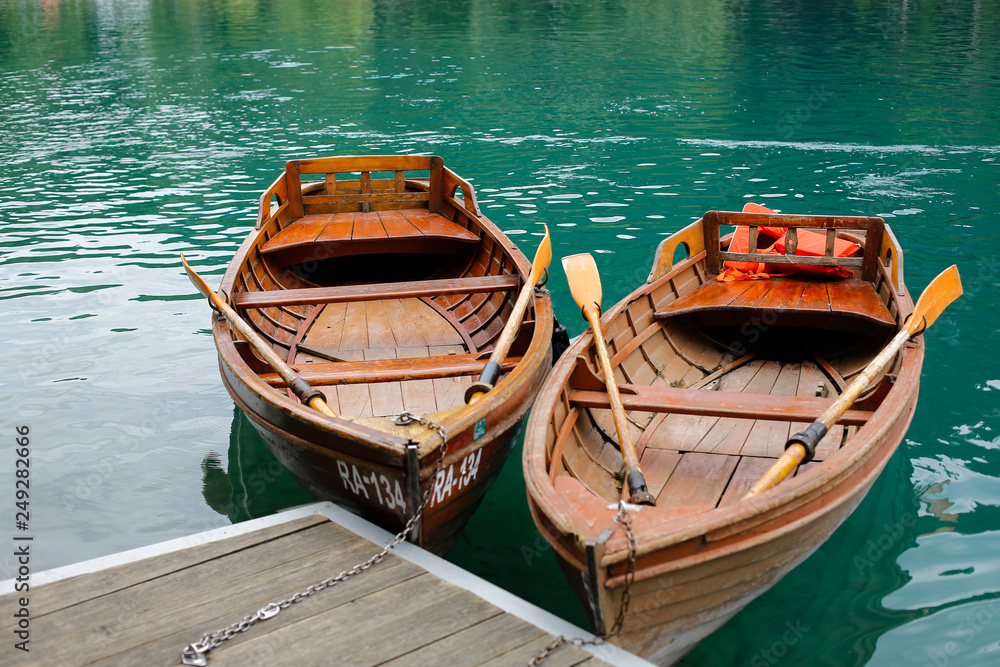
(801, 447)
(637, 488)
(306, 393)
(491, 371)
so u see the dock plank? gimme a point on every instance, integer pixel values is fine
(83, 587)
(145, 610)
(493, 637)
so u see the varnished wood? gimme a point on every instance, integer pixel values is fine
(413, 343)
(388, 370)
(941, 292)
(789, 298)
(325, 235)
(585, 284)
(717, 403)
(376, 291)
(868, 264)
(713, 378)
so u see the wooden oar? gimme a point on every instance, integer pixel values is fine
(491, 372)
(801, 447)
(307, 394)
(585, 285)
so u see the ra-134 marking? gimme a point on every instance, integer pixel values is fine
(389, 493)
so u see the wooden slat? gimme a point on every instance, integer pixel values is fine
(389, 370)
(492, 638)
(396, 613)
(376, 163)
(314, 295)
(449, 392)
(815, 297)
(717, 404)
(748, 471)
(697, 482)
(768, 438)
(804, 260)
(367, 227)
(728, 435)
(387, 397)
(657, 466)
(849, 295)
(340, 229)
(793, 296)
(418, 395)
(433, 225)
(397, 226)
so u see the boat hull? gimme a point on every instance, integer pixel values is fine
(388, 296)
(702, 554)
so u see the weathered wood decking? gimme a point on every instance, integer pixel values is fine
(142, 607)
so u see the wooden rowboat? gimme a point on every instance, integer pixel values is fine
(386, 290)
(714, 377)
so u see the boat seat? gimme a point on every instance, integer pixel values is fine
(717, 404)
(321, 236)
(797, 300)
(389, 370)
(801, 299)
(375, 291)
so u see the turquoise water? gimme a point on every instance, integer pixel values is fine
(132, 131)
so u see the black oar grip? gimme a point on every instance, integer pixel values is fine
(305, 391)
(491, 373)
(809, 439)
(637, 490)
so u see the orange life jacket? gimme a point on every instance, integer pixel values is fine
(813, 244)
(741, 243)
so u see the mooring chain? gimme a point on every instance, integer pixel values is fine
(623, 519)
(196, 653)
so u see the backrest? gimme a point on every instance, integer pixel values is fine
(336, 194)
(831, 224)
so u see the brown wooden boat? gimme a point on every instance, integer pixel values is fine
(714, 376)
(386, 289)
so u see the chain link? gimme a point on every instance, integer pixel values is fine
(196, 653)
(623, 519)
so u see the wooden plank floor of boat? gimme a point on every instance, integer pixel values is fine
(699, 462)
(143, 607)
(388, 329)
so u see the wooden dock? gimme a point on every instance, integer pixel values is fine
(143, 607)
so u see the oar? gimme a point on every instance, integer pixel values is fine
(491, 371)
(585, 285)
(311, 397)
(801, 447)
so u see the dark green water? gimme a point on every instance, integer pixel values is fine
(131, 131)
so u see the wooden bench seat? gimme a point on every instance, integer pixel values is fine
(324, 235)
(376, 291)
(389, 370)
(796, 300)
(718, 404)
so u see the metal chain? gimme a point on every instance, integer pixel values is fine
(195, 654)
(623, 519)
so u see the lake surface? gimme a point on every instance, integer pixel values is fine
(132, 131)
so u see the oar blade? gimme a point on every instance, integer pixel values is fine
(936, 297)
(584, 280)
(196, 280)
(543, 257)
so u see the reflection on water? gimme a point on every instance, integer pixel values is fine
(137, 129)
(252, 483)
